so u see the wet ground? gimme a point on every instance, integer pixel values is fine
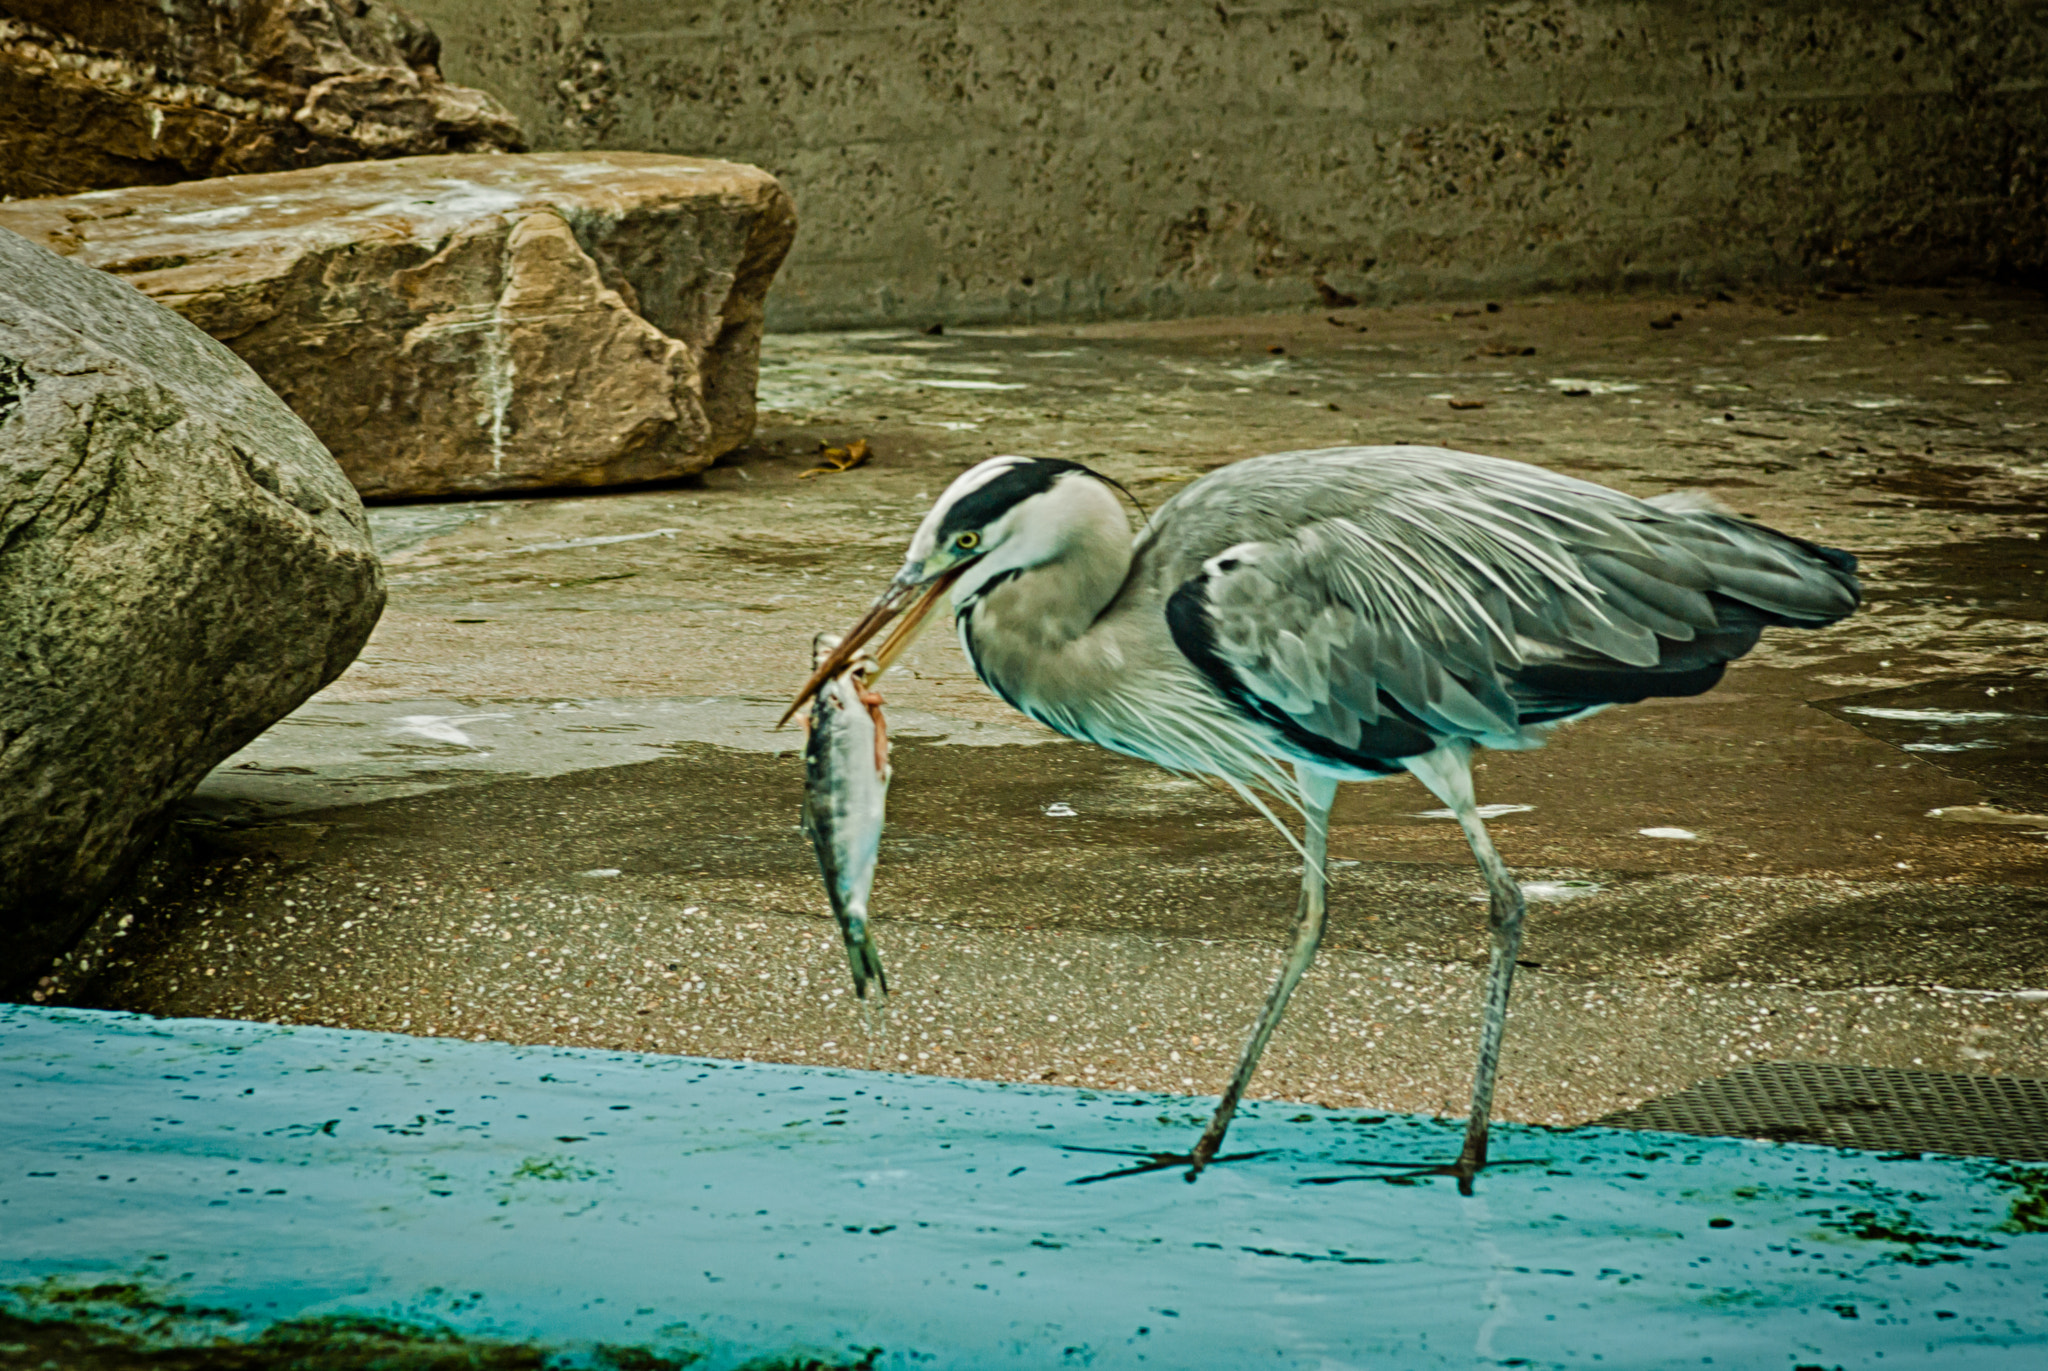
(547, 805)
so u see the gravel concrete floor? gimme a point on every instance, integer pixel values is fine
(547, 806)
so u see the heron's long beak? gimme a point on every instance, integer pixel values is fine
(888, 607)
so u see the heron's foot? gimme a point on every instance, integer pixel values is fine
(1154, 1161)
(1407, 1173)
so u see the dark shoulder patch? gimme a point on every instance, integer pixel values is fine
(1379, 748)
(1187, 619)
(988, 502)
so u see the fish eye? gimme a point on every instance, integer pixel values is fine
(967, 540)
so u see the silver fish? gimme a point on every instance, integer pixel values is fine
(846, 785)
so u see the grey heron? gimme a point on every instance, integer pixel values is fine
(1291, 622)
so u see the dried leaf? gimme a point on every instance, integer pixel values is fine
(838, 459)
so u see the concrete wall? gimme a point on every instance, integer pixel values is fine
(978, 160)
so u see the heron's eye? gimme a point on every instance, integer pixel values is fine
(966, 540)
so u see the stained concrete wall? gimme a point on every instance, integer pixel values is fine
(979, 160)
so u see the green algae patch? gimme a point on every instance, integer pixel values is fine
(865, 1362)
(1889, 1217)
(1868, 1225)
(354, 1342)
(110, 1302)
(613, 1358)
(552, 1169)
(130, 1326)
(2030, 1206)
(81, 1343)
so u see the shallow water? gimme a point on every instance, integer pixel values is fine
(1991, 729)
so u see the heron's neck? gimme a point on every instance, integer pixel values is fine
(1049, 607)
(1036, 631)
(1068, 639)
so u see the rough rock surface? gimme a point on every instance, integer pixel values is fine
(469, 324)
(181, 564)
(144, 92)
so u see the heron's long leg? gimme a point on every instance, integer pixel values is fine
(1505, 909)
(1448, 774)
(1317, 793)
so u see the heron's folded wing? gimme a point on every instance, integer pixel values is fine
(1377, 601)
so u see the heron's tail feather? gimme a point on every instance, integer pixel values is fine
(1774, 577)
(1735, 578)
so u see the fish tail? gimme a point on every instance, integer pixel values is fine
(862, 957)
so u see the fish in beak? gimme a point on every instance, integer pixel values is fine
(920, 596)
(846, 787)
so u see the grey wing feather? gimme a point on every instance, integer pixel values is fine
(1389, 598)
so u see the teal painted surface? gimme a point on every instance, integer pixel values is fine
(729, 1211)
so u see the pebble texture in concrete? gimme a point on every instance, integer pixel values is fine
(990, 161)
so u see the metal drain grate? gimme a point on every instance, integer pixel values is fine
(1859, 1106)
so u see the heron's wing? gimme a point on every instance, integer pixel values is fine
(1373, 602)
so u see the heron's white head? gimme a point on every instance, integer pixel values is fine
(1005, 515)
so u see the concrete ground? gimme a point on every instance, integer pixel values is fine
(548, 805)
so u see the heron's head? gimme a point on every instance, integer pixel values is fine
(1003, 516)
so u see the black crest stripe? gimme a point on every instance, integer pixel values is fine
(990, 500)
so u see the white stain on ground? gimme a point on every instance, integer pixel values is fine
(809, 373)
(1485, 812)
(597, 540)
(442, 728)
(1987, 814)
(1593, 387)
(1681, 833)
(1551, 892)
(1928, 716)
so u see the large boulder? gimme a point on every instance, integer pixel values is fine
(181, 564)
(143, 92)
(469, 324)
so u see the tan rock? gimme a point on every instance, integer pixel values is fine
(469, 324)
(144, 92)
